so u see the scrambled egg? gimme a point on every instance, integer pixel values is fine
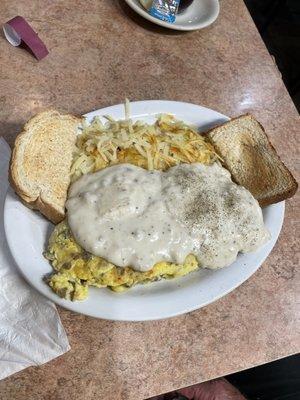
(76, 269)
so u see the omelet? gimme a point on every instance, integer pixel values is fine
(76, 269)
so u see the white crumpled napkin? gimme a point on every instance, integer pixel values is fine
(31, 332)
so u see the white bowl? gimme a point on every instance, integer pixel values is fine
(198, 15)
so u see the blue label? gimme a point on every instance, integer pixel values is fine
(164, 10)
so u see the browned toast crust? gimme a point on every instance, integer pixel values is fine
(263, 194)
(41, 161)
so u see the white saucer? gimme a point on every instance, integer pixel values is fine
(199, 14)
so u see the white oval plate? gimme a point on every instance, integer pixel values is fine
(198, 15)
(27, 232)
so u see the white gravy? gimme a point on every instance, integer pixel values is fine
(134, 217)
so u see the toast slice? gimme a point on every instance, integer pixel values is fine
(41, 161)
(252, 160)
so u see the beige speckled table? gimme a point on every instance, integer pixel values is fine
(101, 52)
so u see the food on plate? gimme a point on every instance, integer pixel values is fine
(145, 201)
(252, 160)
(133, 217)
(76, 269)
(165, 143)
(41, 162)
(160, 145)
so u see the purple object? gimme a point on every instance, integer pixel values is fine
(17, 30)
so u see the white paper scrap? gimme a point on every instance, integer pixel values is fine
(31, 332)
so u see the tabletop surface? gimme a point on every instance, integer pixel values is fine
(100, 52)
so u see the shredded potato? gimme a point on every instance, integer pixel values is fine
(161, 145)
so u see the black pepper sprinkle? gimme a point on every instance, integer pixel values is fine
(111, 229)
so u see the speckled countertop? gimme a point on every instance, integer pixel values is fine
(101, 52)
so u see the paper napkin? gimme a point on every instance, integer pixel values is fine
(31, 332)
